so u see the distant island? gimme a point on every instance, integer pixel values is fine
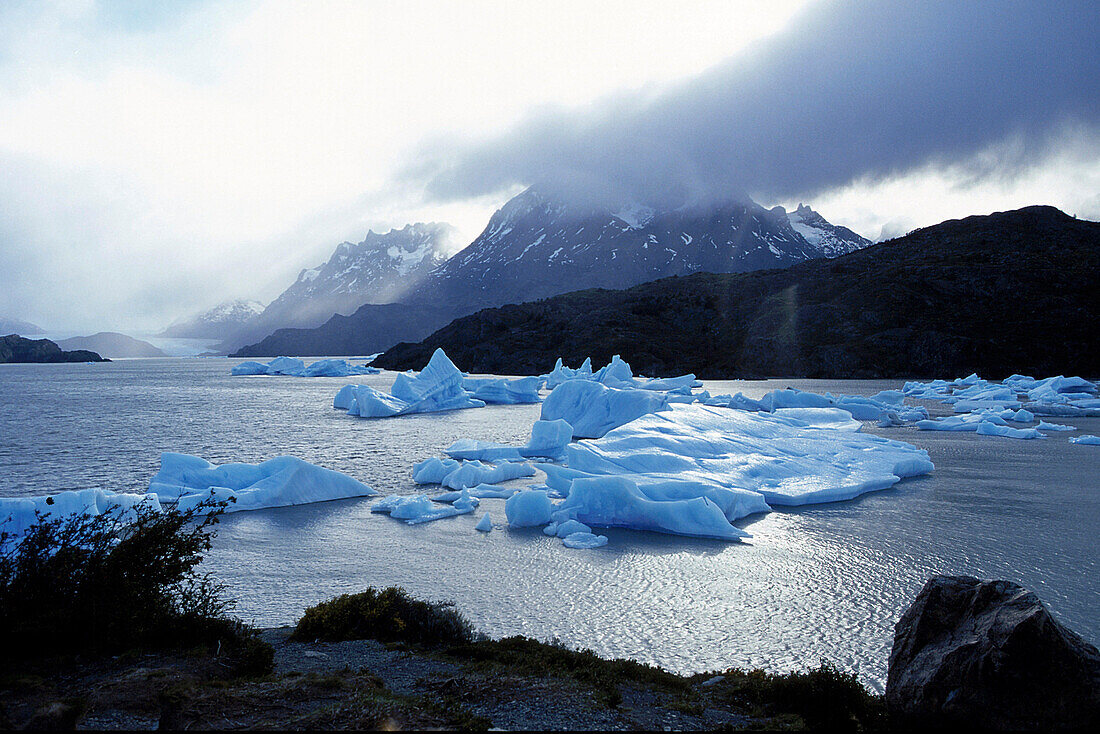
(1009, 292)
(14, 348)
(111, 344)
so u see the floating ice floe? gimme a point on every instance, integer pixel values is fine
(294, 367)
(585, 541)
(279, 482)
(779, 459)
(464, 474)
(18, 514)
(417, 509)
(618, 374)
(1044, 426)
(548, 441)
(876, 407)
(593, 409)
(436, 388)
(528, 508)
(1052, 396)
(500, 391)
(988, 428)
(1087, 440)
(964, 422)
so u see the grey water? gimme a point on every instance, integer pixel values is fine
(825, 582)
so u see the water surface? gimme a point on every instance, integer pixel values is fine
(822, 582)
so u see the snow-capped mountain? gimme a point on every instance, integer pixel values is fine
(537, 246)
(380, 269)
(220, 322)
(830, 239)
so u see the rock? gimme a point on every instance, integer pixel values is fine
(989, 654)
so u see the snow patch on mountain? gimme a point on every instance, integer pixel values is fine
(830, 239)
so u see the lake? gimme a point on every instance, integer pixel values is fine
(822, 582)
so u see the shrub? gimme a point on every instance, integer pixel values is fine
(389, 615)
(825, 697)
(542, 658)
(105, 584)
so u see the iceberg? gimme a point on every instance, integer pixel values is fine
(618, 374)
(504, 392)
(463, 474)
(249, 368)
(585, 541)
(433, 470)
(1044, 426)
(472, 449)
(561, 373)
(474, 473)
(791, 398)
(838, 419)
(616, 501)
(987, 428)
(417, 509)
(568, 527)
(1086, 440)
(437, 388)
(548, 441)
(592, 409)
(344, 397)
(965, 422)
(286, 366)
(279, 482)
(18, 514)
(485, 524)
(332, 368)
(297, 368)
(772, 456)
(527, 508)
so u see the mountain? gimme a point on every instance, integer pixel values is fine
(220, 322)
(14, 348)
(1009, 292)
(828, 239)
(113, 345)
(381, 269)
(15, 326)
(388, 324)
(539, 245)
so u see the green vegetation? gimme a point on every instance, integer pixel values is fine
(109, 584)
(825, 698)
(389, 615)
(531, 657)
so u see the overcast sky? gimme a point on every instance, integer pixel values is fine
(159, 158)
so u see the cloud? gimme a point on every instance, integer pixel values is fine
(161, 157)
(855, 91)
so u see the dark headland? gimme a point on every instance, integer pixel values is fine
(14, 348)
(1009, 292)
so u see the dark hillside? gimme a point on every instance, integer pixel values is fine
(14, 348)
(1010, 292)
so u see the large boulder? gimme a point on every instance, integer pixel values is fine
(988, 654)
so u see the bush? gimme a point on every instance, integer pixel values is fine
(105, 584)
(542, 658)
(389, 615)
(825, 697)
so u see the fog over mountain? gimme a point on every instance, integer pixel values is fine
(848, 91)
(155, 169)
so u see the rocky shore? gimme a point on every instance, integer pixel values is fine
(983, 654)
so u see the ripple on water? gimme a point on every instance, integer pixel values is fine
(825, 582)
